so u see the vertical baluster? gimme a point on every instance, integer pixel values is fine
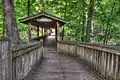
(105, 59)
(83, 53)
(97, 60)
(82, 49)
(112, 66)
(68, 48)
(108, 65)
(77, 48)
(91, 57)
(116, 67)
(100, 61)
(102, 69)
(94, 58)
(80, 52)
(86, 53)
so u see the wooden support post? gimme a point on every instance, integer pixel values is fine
(43, 35)
(57, 28)
(63, 33)
(56, 33)
(5, 60)
(29, 32)
(38, 32)
(42, 32)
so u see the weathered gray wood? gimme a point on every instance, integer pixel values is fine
(96, 47)
(116, 67)
(5, 60)
(108, 65)
(25, 58)
(103, 60)
(97, 60)
(112, 66)
(102, 69)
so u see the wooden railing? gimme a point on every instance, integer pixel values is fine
(5, 60)
(25, 58)
(104, 61)
(17, 62)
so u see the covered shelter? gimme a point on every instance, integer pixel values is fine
(45, 21)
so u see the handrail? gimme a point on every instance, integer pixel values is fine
(93, 46)
(4, 39)
(24, 48)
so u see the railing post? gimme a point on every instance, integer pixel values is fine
(5, 60)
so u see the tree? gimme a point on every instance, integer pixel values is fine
(28, 14)
(79, 17)
(107, 31)
(89, 20)
(10, 21)
(83, 19)
(28, 6)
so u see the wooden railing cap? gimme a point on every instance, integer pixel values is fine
(93, 46)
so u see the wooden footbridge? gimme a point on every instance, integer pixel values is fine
(55, 59)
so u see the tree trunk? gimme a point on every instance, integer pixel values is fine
(28, 14)
(89, 21)
(28, 6)
(105, 41)
(65, 12)
(10, 21)
(83, 19)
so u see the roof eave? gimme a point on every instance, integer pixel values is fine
(24, 20)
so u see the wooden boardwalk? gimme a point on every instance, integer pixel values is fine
(60, 67)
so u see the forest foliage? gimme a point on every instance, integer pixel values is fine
(105, 18)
